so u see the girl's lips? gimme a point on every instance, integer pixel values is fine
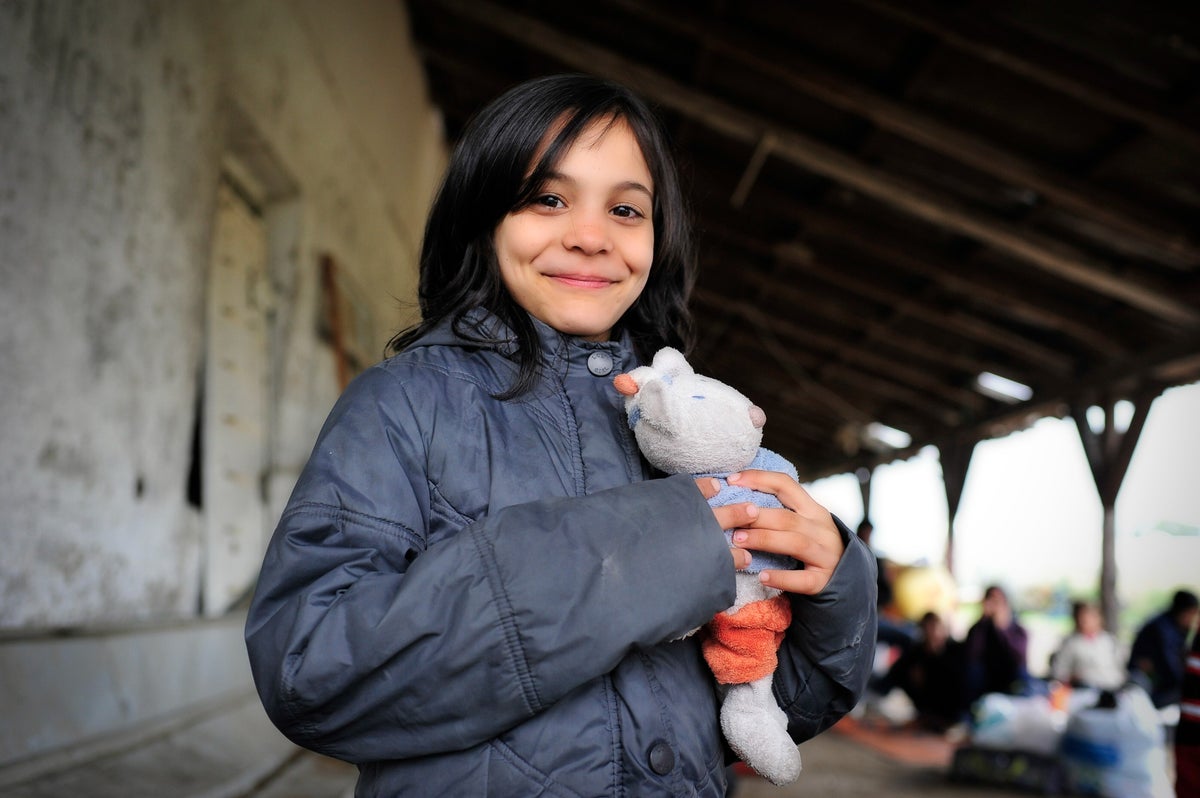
(580, 280)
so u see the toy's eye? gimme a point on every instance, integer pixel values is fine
(698, 396)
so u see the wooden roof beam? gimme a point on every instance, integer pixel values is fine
(853, 355)
(1036, 250)
(980, 41)
(956, 321)
(1014, 303)
(877, 330)
(885, 332)
(1121, 225)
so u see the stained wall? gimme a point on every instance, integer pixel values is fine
(119, 122)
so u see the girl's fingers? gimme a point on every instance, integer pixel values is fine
(804, 581)
(815, 547)
(783, 487)
(801, 529)
(733, 516)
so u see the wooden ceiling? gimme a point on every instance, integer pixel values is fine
(895, 196)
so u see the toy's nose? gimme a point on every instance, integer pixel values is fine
(625, 385)
(757, 417)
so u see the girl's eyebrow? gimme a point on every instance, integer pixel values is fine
(624, 185)
(633, 185)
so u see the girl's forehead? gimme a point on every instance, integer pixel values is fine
(594, 133)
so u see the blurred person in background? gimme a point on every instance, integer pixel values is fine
(1089, 656)
(1187, 735)
(893, 630)
(932, 674)
(1157, 656)
(996, 649)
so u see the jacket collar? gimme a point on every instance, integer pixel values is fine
(561, 354)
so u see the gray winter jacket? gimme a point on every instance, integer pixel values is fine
(474, 597)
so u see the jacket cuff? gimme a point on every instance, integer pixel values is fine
(843, 615)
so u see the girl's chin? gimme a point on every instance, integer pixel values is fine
(579, 329)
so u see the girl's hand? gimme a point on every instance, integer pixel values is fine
(710, 487)
(802, 529)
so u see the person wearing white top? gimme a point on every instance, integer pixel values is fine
(1089, 656)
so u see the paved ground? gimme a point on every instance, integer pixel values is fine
(838, 765)
(237, 754)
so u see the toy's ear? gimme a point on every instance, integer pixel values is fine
(629, 383)
(659, 407)
(757, 416)
(671, 361)
(626, 385)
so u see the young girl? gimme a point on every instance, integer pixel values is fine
(476, 589)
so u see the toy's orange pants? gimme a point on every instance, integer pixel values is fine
(742, 647)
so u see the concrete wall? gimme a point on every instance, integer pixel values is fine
(118, 122)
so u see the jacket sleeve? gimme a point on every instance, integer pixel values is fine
(368, 644)
(827, 653)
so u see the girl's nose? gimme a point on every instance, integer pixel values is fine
(587, 233)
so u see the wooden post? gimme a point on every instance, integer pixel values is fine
(955, 457)
(864, 475)
(1109, 451)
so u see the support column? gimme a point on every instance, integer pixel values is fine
(955, 457)
(1109, 451)
(864, 475)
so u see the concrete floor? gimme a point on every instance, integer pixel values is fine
(237, 754)
(836, 765)
(839, 766)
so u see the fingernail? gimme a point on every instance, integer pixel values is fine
(764, 576)
(752, 510)
(733, 477)
(740, 537)
(715, 484)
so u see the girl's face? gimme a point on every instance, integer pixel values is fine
(579, 255)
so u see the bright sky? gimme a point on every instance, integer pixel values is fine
(1030, 514)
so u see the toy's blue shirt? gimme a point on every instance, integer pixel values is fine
(765, 460)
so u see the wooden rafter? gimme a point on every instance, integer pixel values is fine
(1120, 224)
(1013, 301)
(1033, 249)
(984, 42)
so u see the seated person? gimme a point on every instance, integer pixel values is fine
(1089, 656)
(932, 675)
(996, 651)
(1156, 659)
(892, 629)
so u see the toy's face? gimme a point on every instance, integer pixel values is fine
(687, 423)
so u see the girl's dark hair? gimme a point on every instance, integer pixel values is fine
(496, 169)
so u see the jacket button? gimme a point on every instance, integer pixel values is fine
(600, 363)
(662, 758)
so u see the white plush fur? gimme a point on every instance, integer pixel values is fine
(686, 423)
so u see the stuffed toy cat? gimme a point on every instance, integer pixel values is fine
(685, 423)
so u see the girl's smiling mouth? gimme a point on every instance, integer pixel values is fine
(580, 280)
